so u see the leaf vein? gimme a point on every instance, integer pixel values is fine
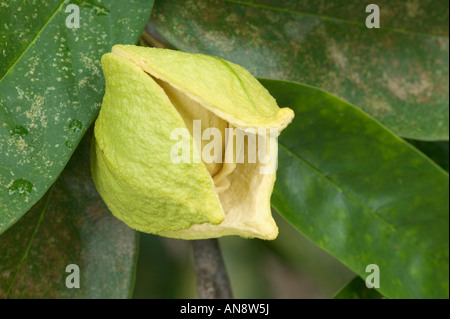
(30, 241)
(374, 213)
(328, 18)
(38, 32)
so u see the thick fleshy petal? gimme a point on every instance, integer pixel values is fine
(224, 88)
(151, 92)
(190, 111)
(246, 203)
(131, 163)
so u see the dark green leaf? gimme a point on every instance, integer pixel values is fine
(70, 225)
(398, 74)
(165, 269)
(246, 263)
(357, 289)
(325, 273)
(437, 151)
(362, 194)
(51, 87)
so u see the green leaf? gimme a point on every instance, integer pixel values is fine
(165, 269)
(51, 87)
(70, 225)
(362, 194)
(398, 74)
(356, 289)
(245, 262)
(323, 273)
(437, 151)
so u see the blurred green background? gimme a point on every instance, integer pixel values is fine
(288, 267)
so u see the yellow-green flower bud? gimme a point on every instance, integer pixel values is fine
(150, 93)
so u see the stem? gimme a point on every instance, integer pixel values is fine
(212, 278)
(152, 38)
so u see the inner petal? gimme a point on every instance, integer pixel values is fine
(233, 148)
(223, 162)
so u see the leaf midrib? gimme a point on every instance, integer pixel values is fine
(38, 32)
(373, 212)
(329, 18)
(30, 241)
